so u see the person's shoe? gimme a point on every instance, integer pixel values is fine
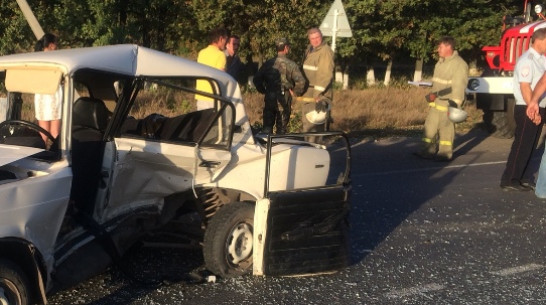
(514, 187)
(442, 158)
(529, 184)
(424, 155)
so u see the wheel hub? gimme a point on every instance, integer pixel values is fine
(240, 245)
(8, 293)
(3, 298)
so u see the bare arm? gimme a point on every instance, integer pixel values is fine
(531, 98)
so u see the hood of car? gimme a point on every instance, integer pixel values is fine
(11, 153)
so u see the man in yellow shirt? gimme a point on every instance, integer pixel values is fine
(213, 55)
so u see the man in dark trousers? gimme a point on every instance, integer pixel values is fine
(530, 67)
(279, 79)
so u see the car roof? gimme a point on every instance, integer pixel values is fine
(127, 59)
(131, 60)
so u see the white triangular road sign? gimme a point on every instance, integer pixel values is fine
(336, 23)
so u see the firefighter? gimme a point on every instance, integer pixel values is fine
(318, 67)
(279, 78)
(448, 90)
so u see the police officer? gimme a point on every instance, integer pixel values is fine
(318, 67)
(519, 172)
(279, 79)
(448, 89)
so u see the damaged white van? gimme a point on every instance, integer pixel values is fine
(72, 204)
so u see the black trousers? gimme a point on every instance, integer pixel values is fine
(272, 115)
(525, 141)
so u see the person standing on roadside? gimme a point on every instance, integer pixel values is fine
(213, 56)
(318, 67)
(531, 65)
(448, 89)
(279, 79)
(48, 106)
(234, 66)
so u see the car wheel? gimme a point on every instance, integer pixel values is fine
(13, 284)
(501, 124)
(228, 241)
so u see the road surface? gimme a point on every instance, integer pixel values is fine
(423, 232)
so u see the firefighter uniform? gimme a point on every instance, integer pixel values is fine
(448, 86)
(318, 67)
(275, 79)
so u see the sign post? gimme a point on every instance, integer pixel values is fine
(336, 23)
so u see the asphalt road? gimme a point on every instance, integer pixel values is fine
(423, 232)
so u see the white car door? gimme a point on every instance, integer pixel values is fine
(305, 231)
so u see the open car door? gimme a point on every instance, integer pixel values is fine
(305, 231)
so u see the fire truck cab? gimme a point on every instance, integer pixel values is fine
(493, 91)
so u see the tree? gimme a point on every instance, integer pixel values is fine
(383, 30)
(14, 29)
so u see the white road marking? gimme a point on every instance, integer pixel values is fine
(425, 169)
(518, 269)
(399, 293)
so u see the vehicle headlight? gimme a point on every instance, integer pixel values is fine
(473, 84)
(539, 8)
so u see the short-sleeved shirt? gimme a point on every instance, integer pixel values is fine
(210, 56)
(529, 69)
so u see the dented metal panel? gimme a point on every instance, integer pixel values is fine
(33, 205)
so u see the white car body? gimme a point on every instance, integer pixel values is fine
(55, 203)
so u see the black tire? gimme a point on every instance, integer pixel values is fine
(227, 246)
(14, 285)
(501, 124)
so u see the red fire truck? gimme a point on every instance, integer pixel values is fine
(493, 91)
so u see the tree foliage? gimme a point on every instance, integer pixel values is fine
(382, 29)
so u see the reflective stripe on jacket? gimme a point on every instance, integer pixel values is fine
(451, 72)
(318, 68)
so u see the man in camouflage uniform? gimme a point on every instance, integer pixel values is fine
(279, 79)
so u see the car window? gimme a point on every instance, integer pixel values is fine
(33, 119)
(166, 110)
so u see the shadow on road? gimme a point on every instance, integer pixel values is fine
(390, 183)
(144, 270)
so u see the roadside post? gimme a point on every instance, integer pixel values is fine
(336, 24)
(31, 19)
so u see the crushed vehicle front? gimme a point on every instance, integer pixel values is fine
(134, 155)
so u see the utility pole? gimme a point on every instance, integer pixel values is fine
(31, 19)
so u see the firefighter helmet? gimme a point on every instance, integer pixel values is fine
(456, 115)
(318, 117)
